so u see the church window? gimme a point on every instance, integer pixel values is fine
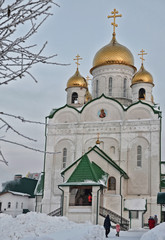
(142, 93)
(112, 183)
(64, 158)
(22, 205)
(139, 156)
(80, 196)
(9, 205)
(110, 86)
(16, 205)
(97, 88)
(74, 97)
(125, 87)
(112, 150)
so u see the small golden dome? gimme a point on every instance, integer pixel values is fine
(88, 96)
(113, 53)
(142, 76)
(77, 81)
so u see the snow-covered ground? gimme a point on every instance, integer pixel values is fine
(37, 226)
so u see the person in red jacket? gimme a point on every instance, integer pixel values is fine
(151, 222)
(117, 229)
(89, 199)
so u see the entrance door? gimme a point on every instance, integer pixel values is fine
(0, 206)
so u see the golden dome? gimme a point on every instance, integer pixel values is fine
(88, 96)
(77, 81)
(113, 53)
(142, 76)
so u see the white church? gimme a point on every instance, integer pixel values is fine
(109, 143)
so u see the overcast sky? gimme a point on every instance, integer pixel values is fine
(79, 27)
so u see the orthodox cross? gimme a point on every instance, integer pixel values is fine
(142, 54)
(98, 141)
(88, 78)
(77, 59)
(114, 12)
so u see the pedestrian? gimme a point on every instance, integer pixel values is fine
(156, 220)
(151, 222)
(117, 229)
(90, 199)
(107, 225)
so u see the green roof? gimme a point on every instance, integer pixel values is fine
(104, 156)
(87, 172)
(161, 198)
(23, 185)
(40, 185)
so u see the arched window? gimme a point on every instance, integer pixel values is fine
(139, 156)
(64, 157)
(74, 97)
(97, 88)
(110, 86)
(112, 150)
(22, 205)
(142, 94)
(16, 205)
(112, 183)
(9, 205)
(125, 87)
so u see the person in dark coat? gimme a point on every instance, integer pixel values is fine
(107, 225)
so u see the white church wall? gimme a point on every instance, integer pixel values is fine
(139, 177)
(140, 111)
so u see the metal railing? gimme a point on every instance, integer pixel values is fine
(115, 218)
(56, 212)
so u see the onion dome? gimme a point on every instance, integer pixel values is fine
(88, 96)
(142, 76)
(113, 53)
(77, 81)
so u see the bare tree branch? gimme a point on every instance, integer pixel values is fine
(21, 17)
(30, 148)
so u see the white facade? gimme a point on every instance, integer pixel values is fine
(129, 133)
(13, 203)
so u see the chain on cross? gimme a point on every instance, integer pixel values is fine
(142, 54)
(114, 16)
(77, 59)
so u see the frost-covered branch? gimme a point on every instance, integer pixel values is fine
(19, 21)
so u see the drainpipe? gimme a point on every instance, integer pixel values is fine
(160, 116)
(121, 200)
(44, 156)
(62, 200)
(143, 215)
(97, 209)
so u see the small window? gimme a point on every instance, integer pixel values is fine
(110, 86)
(9, 205)
(139, 156)
(142, 94)
(112, 150)
(134, 214)
(74, 97)
(112, 183)
(97, 88)
(125, 87)
(16, 205)
(22, 205)
(64, 158)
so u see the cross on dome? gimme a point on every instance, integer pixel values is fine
(77, 59)
(142, 54)
(114, 16)
(87, 79)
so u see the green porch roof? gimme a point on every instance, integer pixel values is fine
(105, 157)
(161, 198)
(40, 186)
(87, 173)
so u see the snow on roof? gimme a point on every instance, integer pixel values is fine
(17, 193)
(135, 204)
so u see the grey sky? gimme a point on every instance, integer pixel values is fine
(79, 27)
